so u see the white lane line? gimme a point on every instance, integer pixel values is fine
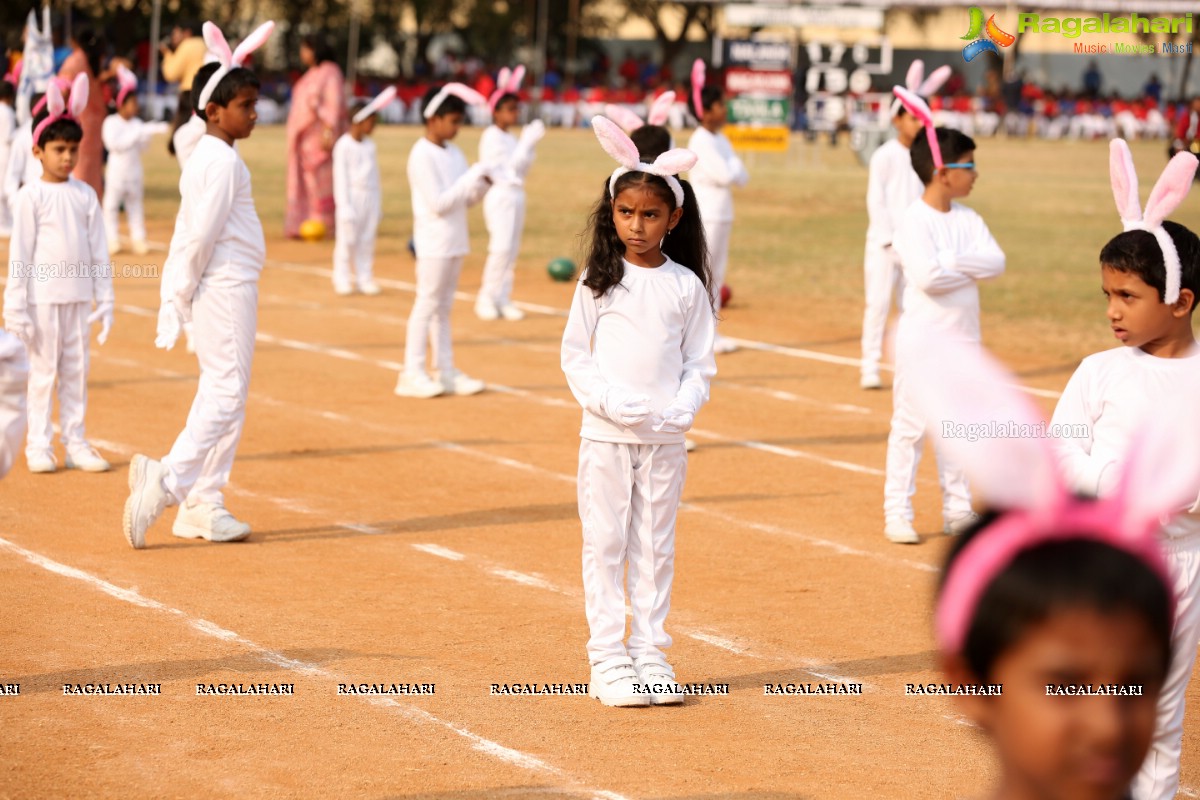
(479, 743)
(535, 581)
(440, 552)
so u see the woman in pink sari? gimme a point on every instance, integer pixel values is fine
(316, 119)
(87, 56)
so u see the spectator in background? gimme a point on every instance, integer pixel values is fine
(316, 119)
(87, 55)
(182, 56)
(1153, 88)
(1092, 80)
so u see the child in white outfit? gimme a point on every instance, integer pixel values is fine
(126, 137)
(8, 130)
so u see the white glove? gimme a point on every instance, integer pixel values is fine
(183, 308)
(169, 327)
(480, 172)
(624, 407)
(531, 134)
(674, 419)
(103, 313)
(19, 324)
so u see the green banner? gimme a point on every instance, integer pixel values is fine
(759, 110)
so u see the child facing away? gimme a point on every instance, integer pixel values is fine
(892, 186)
(8, 130)
(215, 260)
(509, 159)
(442, 189)
(358, 199)
(945, 249)
(1150, 275)
(717, 171)
(59, 267)
(126, 137)
(637, 353)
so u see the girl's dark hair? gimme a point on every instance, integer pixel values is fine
(1138, 253)
(61, 130)
(685, 245)
(234, 81)
(321, 46)
(93, 46)
(508, 97)
(1071, 573)
(651, 141)
(708, 96)
(183, 112)
(954, 145)
(451, 104)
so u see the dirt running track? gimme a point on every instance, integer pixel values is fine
(437, 542)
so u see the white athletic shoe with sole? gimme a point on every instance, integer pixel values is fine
(418, 384)
(512, 313)
(871, 382)
(41, 462)
(659, 679)
(147, 499)
(87, 459)
(140, 247)
(460, 384)
(486, 310)
(208, 521)
(342, 289)
(900, 531)
(369, 288)
(953, 526)
(616, 683)
(723, 345)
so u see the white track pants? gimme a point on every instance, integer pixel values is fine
(59, 353)
(717, 236)
(14, 387)
(354, 250)
(1158, 778)
(882, 281)
(130, 194)
(429, 321)
(628, 498)
(905, 443)
(504, 213)
(225, 320)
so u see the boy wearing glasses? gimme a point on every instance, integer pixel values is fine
(945, 248)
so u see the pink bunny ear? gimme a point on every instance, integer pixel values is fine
(1171, 188)
(54, 100)
(661, 108)
(215, 41)
(1124, 181)
(675, 161)
(79, 95)
(920, 109)
(251, 43)
(125, 78)
(934, 81)
(1161, 474)
(972, 404)
(615, 142)
(502, 80)
(699, 75)
(516, 79)
(621, 115)
(466, 94)
(381, 100)
(916, 72)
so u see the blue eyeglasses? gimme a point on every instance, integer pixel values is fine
(963, 165)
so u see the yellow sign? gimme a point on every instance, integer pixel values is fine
(772, 139)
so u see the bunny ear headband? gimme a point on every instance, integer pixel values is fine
(916, 82)
(376, 105)
(459, 90)
(618, 145)
(127, 82)
(699, 75)
(63, 85)
(660, 109)
(58, 108)
(506, 83)
(1172, 186)
(1020, 476)
(920, 109)
(218, 47)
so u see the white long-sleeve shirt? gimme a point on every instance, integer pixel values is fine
(442, 189)
(218, 239)
(505, 157)
(1111, 396)
(717, 170)
(22, 168)
(892, 186)
(58, 252)
(126, 140)
(650, 335)
(8, 130)
(943, 255)
(356, 191)
(187, 136)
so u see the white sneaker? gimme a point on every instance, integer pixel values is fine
(342, 288)
(512, 313)
(900, 531)
(486, 310)
(689, 445)
(208, 521)
(460, 384)
(369, 288)
(86, 458)
(659, 679)
(140, 247)
(723, 345)
(114, 247)
(871, 381)
(147, 499)
(41, 462)
(418, 384)
(953, 526)
(616, 683)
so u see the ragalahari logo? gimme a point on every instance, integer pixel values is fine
(984, 36)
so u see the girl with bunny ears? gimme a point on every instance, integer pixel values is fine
(1151, 277)
(509, 158)
(1054, 595)
(126, 137)
(59, 259)
(210, 279)
(637, 353)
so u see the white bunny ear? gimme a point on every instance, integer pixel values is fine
(1170, 189)
(628, 120)
(381, 100)
(967, 398)
(934, 81)
(916, 72)
(125, 78)
(615, 142)
(1161, 473)
(215, 40)
(502, 80)
(661, 108)
(466, 94)
(54, 100)
(251, 43)
(516, 79)
(1123, 176)
(675, 161)
(79, 95)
